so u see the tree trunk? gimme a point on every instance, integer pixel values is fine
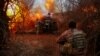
(4, 30)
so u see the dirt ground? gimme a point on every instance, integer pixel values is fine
(32, 45)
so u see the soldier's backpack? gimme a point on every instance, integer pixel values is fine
(79, 40)
(79, 44)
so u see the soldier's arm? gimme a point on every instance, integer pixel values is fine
(62, 36)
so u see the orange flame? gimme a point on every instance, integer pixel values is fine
(49, 5)
(38, 14)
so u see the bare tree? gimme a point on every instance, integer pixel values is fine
(24, 10)
(88, 13)
(4, 31)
